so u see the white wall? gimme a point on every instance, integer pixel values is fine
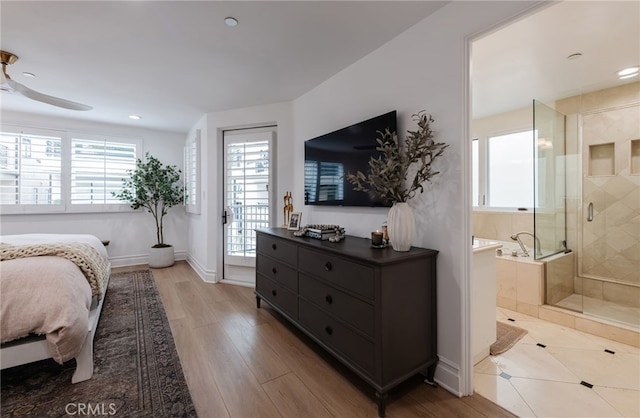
(423, 68)
(503, 123)
(205, 251)
(198, 246)
(131, 233)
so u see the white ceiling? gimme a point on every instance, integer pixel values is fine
(173, 61)
(528, 59)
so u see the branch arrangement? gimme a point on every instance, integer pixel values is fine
(388, 173)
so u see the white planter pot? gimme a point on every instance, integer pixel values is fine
(161, 257)
(401, 226)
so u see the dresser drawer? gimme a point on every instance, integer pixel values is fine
(277, 248)
(278, 272)
(277, 295)
(337, 336)
(348, 275)
(351, 310)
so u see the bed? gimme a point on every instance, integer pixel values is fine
(52, 289)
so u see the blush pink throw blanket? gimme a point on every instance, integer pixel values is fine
(45, 295)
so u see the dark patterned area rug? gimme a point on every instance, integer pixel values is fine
(137, 371)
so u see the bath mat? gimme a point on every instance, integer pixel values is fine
(507, 336)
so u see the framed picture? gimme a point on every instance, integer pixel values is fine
(294, 221)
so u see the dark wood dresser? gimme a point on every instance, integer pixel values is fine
(372, 309)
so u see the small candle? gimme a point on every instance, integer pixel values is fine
(385, 233)
(376, 238)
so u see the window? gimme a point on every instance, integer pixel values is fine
(46, 171)
(475, 164)
(503, 171)
(97, 169)
(29, 174)
(192, 173)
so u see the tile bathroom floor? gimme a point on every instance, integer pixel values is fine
(601, 308)
(548, 373)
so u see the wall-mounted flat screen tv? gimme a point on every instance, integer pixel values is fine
(328, 158)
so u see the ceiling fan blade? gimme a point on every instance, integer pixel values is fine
(44, 98)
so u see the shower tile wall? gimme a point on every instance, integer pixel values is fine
(609, 121)
(501, 225)
(611, 242)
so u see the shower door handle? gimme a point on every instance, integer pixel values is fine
(590, 212)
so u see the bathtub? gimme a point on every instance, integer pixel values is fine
(533, 287)
(524, 284)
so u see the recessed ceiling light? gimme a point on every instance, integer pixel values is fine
(27, 74)
(574, 56)
(628, 72)
(231, 21)
(135, 117)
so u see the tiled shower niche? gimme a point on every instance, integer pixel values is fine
(602, 159)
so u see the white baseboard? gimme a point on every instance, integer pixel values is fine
(208, 276)
(448, 376)
(136, 260)
(238, 283)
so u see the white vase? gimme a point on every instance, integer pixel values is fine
(161, 257)
(401, 226)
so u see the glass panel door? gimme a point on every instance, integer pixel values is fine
(246, 199)
(610, 257)
(549, 211)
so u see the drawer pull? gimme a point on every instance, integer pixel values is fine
(328, 330)
(274, 270)
(274, 246)
(329, 299)
(328, 266)
(274, 293)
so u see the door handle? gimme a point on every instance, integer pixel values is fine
(227, 215)
(590, 212)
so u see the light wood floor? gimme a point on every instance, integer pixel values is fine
(240, 361)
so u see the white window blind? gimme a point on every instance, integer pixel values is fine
(97, 169)
(503, 171)
(30, 169)
(192, 173)
(510, 170)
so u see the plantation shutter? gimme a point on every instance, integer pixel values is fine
(30, 169)
(192, 173)
(97, 169)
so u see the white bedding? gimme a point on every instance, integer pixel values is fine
(46, 295)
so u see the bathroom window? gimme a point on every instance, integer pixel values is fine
(503, 171)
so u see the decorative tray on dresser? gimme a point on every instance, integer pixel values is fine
(372, 309)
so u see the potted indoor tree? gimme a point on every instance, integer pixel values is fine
(399, 173)
(156, 188)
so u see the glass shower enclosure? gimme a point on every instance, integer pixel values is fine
(549, 210)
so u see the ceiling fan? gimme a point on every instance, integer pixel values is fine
(10, 86)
